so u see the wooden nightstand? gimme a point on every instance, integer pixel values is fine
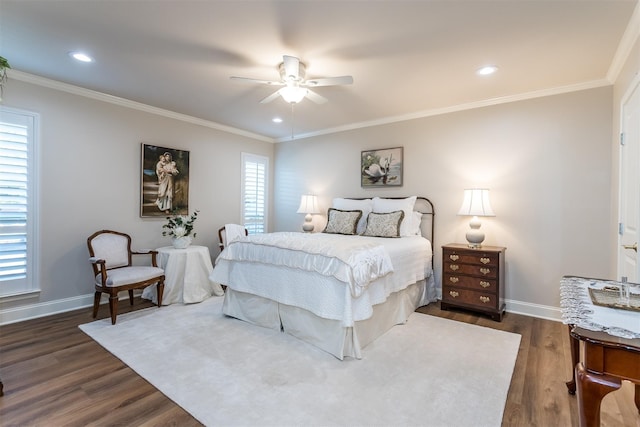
(473, 279)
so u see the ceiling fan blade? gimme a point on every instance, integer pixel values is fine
(271, 97)
(249, 80)
(291, 67)
(315, 97)
(329, 81)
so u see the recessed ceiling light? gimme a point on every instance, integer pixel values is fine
(485, 71)
(276, 120)
(82, 57)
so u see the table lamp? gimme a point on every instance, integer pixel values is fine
(308, 206)
(475, 203)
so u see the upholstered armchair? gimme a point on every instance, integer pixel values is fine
(230, 232)
(111, 258)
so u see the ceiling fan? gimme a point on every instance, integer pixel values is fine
(295, 87)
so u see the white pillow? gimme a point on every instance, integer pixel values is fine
(416, 220)
(366, 206)
(390, 205)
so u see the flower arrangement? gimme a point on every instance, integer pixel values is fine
(180, 225)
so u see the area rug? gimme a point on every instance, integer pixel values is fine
(225, 372)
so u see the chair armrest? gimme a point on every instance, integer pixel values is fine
(144, 252)
(151, 252)
(103, 268)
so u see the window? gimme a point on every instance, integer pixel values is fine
(254, 192)
(17, 201)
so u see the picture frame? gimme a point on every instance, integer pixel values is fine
(164, 181)
(381, 168)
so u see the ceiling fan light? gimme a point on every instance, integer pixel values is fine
(293, 94)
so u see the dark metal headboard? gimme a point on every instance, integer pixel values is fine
(427, 227)
(425, 206)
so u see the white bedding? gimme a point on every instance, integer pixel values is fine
(335, 284)
(356, 262)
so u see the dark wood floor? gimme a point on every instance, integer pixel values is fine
(55, 375)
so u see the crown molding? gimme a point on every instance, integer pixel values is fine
(76, 90)
(461, 107)
(629, 39)
(88, 93)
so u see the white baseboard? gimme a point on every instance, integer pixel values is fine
(42, 309)
(534, 310)
(525, 308)
(33, 311)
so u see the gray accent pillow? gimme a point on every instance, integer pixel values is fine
(342, 222)
(384, 224)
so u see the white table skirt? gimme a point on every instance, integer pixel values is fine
(186, 274)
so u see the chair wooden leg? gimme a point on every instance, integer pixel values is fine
(131, 296)
(113, 307)
(160, 291)
(96, 303)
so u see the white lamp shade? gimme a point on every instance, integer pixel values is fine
(308, 204)
(476, 203)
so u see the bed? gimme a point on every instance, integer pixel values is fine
(336, 290)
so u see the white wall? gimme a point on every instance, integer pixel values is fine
(90, 180)
(547, 162)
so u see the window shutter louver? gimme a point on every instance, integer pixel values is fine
(16, 139)
(254, 192)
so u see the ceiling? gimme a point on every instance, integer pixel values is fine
(407, 58)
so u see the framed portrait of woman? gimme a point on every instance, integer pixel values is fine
(164, 188)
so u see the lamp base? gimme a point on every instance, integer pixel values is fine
(474, 236)
(307, 227)
(474, 245)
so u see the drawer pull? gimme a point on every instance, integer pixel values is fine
(485, 270)
(454, 267)
(453, 293)
(484, 284)
(485, 299)
(454, 257)
(453, 279)
(485, 260)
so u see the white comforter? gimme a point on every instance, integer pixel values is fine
(350, 260)
(323, 295)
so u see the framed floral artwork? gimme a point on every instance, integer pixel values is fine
(164, 188)
(381, 167)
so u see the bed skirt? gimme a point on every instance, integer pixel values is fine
(330, 335)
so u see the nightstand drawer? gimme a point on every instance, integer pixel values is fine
(483, 271)
(469, 297)
(480, 258)
(476, 283)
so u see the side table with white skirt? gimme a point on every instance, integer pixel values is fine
(186, 274)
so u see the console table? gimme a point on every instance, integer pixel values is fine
(186, 274)
(605, 346)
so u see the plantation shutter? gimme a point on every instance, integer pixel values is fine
(254, 192)
(16, 195)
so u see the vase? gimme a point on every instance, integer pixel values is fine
(181, 242)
